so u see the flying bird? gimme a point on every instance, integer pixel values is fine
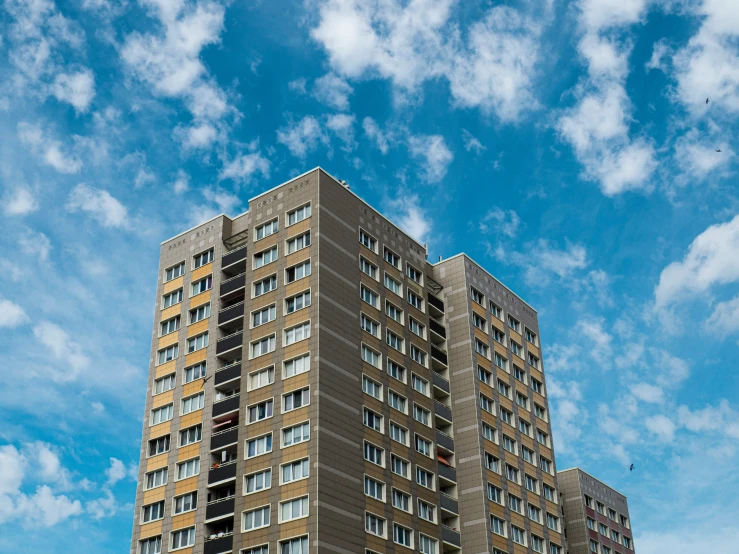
(204, 380)
(706, 100)
(631, 467)
(718, 150)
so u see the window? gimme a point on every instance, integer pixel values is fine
(537, 544)
(264, 549)
(152, 512)
(424, 478)
(265, 315)
(174, 272)
(519, 374)
(501, 362)
(504, 389)
(588, 502)
(295, 471)
(615, 536)
(514, 324)
(296, 366)
(159, 445)
(265, 257)
(427, 545)
(419, 384)
(498, 336)
(374, 488)
(297, 508)
(367, 267)
(511, 473)
(415, 300)
(506, 416)
(258, 481)
(393, 312)
(603, 529)
(169, 326)
(422, 415)
(516, 349)
(159, 415)
(417, 328)
(296, 272)
(489, 433)
(262, 346)
(203, 258)
(518, 535)
(479, 322)
(370, 356)
(374, 525)
(418, 355)
(514, 503)
(536, 386)
(255, 519)
(413, 274)
(530, 336)
(555, 549)
(394, 341)
(534, 513)
(593, 546)
(200, 313)
(624, 521)
(393, 285)
(509, 444)
(298, 243)
(533, 361)
(204, 284)
(258, 446)
(265, 285)
(482, 348)
(172, 298)
(183, 538)
(492, 462)
(188, 468)
(373, 420)
(193, 403)
(374, 454)
(542, 437)
(498, 526)
(297, 333)
(373, 388)
(370, 325)
(261, 378)
(372, 298)
(495, 494)
(426, 511)
(484, 375)
(391, 257)
(600, 507)
(298, 214)
(168, 354)
(295, 399)
(396, 371)
(477, 296)
(627, 542)
(604, 549)
(164, 384)
(185, 503)
(296, 434)
(496, 310)
(397, 401)
(259, 412)
(156, 478)
(402, 536)
(522, 401)
(487, 404)
(553, 522)
(399, 466)
(196, 343)
(549, 494)
(297, 545)
(424, 446)
(524, 426)
(266, 229)
(191, 435)
(368, 240)
(591, 524)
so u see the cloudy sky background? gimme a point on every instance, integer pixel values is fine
(572, 140)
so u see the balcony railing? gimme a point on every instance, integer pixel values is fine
(443, 411)
(224, 438)
(440, 382)
(449, 504)
(219, 508)
(223, 472)
(233, 257)
(437, 328)
(448, 473)
(219, 544)
(439, 354)
(233, 284)
(225, 406)
(232, 312)
(436, 302)
(445, 441)
(234, 340)
(450, 536)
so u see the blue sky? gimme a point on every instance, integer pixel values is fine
(566, 146)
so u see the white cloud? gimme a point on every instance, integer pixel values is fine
(298, 85)
(404, 209)
(332, 91)
(105, 209)
(601, 347)
(725, 318)
(44, 508)
(720, 419)
(64, 349)
(246, 166)
(661, 426)
(11, 314)
(695, 153)
(712, 259)
(35, 243)
(506, 222)
(542, 261)
(660, 51)
(409, 43)
(20, 201)
(648, 393)
(116, 472)
(50, 150)
(434, 153)
(472, 143)
(105, 506)
(226, 201)
(302, 137)
(98, 407)
(342, 125)
(374, 133)
(77, 89)
(181, 183)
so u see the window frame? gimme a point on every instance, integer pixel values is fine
(263, 225)
(261, 253)
(182, 264)
(243, 528)
(294, 210)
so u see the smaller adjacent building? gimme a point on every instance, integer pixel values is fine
(596, 516)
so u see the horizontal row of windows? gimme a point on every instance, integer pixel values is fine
(390, 257)
(183, 538)
(516, 504)
(402, 535)
(198, 260)
(483, 348)
(377, 455)
(521, 537)
(612, 514)
(604, 530)
(506, 390)
(497, 311)
(542, 437)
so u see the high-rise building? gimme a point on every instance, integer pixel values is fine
(596, 516)
(316, 385)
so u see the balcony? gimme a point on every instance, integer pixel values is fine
(444, 441)
(437, 328)
(443, 411)
(224, 472)
(449, 504)
(228, 373)
(439, 354)
(224, 438)
(233, 287)
(234, 262)
(219, 544)
(231, 314)
(230, 342)
(225, 406)
(441, 383)
(219, 508)
(448, 473)
(436, 302)
(450, 536)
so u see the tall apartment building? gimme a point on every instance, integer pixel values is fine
(596, 516)
(316, 385)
